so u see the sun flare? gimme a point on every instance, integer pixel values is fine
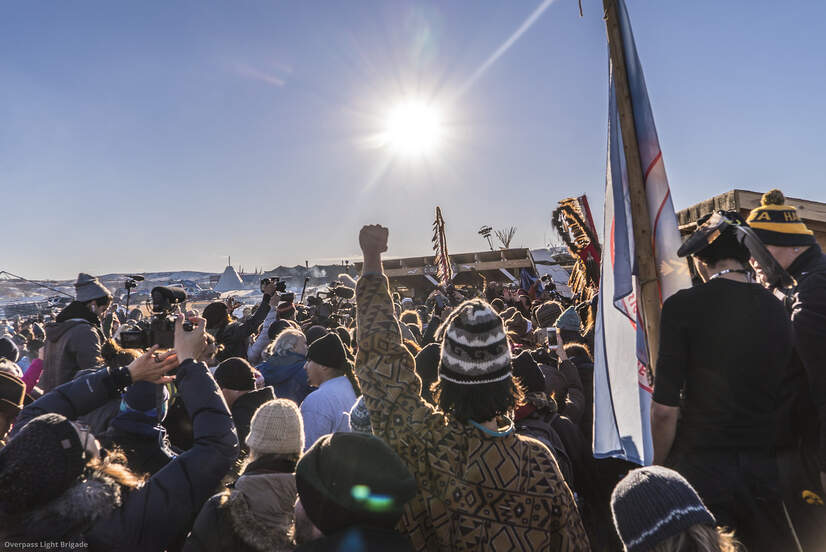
(413, 128)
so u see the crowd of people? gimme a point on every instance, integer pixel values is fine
(462, 420)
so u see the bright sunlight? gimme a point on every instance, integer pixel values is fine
(413, 128)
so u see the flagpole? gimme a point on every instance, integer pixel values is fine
(649, 299)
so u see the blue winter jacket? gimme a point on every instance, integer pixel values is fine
(286, 374)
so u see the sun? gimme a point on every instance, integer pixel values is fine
(413, 128)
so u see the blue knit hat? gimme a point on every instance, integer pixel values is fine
(140, 402)
(654, 503)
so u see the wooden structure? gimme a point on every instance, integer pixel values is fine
(416, 276)
(813, 213)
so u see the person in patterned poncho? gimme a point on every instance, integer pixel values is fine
(481, 486)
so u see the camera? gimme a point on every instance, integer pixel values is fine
(280, 286)
(337, 289)
(161, 330)
(287, 297)
(330, 307)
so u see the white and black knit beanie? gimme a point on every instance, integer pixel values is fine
(475, 347)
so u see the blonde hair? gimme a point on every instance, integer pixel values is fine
(286, 342)
(700, 538)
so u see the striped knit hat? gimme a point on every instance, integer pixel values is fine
(475, 348)
(779, 224)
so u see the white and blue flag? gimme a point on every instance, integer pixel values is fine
(622, 389)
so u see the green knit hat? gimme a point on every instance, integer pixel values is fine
(779, 224)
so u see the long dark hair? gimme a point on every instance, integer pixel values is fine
(480, 402)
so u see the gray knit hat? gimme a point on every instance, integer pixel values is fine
(475, 348)
(276, 428)
(569, 320)
(89, 288)
(654, 503)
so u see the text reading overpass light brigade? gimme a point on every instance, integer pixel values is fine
(640, 266)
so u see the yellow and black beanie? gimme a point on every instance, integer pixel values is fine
(779, 224)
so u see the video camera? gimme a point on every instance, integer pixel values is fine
(130, 284)
(339, 290)
(161, 330)
(327, 303)
(280, 286)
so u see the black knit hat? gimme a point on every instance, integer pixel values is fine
(498, 305)
(654, 503)
(235, 373)
(348, 479)
(328, 351)
(8, 349)
(315, 332)
(39, 463)
(527, 370)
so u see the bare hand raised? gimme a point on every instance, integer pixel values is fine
(373, 239)
(153, 367)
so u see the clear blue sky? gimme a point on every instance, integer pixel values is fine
(138, 136)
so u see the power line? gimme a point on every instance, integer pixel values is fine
(41, 284)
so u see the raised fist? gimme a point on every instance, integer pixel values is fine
(373, 239)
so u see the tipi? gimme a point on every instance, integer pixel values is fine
(229, 281)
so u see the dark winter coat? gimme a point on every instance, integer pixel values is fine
(99, 419)
(72, 344)
(585, 371)
(286, 374)
(109, 517)
(256, 515)
(144, 453)
(235, 336)
(538, 424)
(369, 539)
(243, 409)
(805, 384)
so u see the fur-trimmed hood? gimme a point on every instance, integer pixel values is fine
(92, 498)
(261, 508)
